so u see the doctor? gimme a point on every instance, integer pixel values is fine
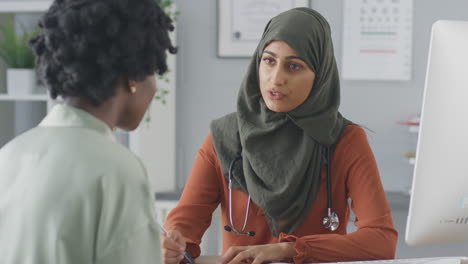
(284, 166)
(68, 192)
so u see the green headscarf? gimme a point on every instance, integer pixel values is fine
(282, 153)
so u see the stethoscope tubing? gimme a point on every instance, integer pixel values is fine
(231, 166)
(329, 183)
(329, 196)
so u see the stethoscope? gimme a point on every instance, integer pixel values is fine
(330, 221)
(231, 228)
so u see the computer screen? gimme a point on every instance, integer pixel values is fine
(438, 211)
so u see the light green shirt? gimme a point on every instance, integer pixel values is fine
(70, 194)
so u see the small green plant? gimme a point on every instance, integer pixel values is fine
(166, 6)
(14, 49)
(162, 92)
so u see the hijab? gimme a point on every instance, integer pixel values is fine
(283, 152)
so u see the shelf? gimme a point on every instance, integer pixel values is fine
(410, 157)
(20, 6)
(32, 97)
(413, 128)
(413, 125)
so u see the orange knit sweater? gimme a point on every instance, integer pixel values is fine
(355, 177)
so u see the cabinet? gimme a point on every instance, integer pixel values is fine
(155, 139)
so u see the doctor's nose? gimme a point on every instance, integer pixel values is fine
(278, 77)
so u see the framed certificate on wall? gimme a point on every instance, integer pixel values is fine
(241, 23)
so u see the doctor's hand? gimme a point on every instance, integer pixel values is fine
(173, 247)
(259, 254)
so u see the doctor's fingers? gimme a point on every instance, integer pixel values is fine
(171, 251)
(171, 245)
(173, 260)
(247, 256)
(177, 237)
(168, 253)
(235, 255)
(171, 257)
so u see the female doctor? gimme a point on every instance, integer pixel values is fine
(284, 166)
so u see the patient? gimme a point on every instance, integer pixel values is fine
(68, 192)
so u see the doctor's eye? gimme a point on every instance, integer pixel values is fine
(268, 60)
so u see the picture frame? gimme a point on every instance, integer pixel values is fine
(241, 23)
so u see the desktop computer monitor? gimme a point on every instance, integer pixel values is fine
(438, 211)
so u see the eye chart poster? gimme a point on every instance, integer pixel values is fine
(377, 39)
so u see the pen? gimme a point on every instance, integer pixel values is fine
(186, 254)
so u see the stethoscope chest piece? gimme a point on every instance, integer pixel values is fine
(331, 221)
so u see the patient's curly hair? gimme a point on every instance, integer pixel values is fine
(86, 46)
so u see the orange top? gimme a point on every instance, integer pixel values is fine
(354, 176)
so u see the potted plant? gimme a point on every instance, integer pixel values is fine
(19, 58)
(168, 7)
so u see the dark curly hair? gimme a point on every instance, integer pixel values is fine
(86, 46)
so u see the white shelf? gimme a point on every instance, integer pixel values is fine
(413, 128)
(20, 6)
(32, 97)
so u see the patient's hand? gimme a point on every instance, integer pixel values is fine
(173, 247)
(259, 254)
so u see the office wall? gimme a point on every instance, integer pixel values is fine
(207, 85)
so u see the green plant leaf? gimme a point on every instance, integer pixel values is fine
(14, 49)
(8, 42)
(166, 6)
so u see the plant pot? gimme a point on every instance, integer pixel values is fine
(21, 81)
